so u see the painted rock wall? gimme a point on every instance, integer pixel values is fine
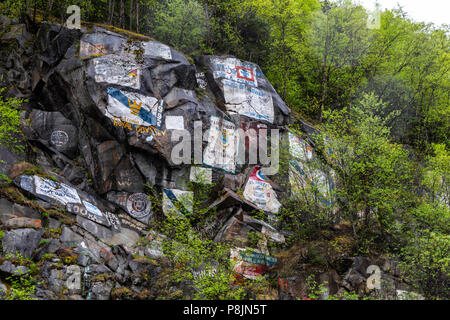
(108, 115)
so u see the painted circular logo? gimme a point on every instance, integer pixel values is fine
(59, 138)
(138, 205)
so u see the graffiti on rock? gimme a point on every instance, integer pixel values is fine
(117, 69)
(234, 69)
(223, 142)
(136, 108)
(260, 192)
(248, 101)
(200, 175)
(59, 192)
(59, 138)
(178, 202)
(138, 205)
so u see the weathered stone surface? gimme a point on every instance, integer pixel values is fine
(50, 247)
(292, 287)
(23, 241)
(54, 224)
(101, 290)
(44, 294)
(125, 237)
(73, 281)
(69, 237)
(6, 208)
(9, 160)
(22, 211)
(94, 228)
(178, 96)
(7, 267)
(54, 130)
(97, 269)
(21, 222)
(241, 86)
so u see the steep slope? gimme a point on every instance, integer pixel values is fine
(103, 126)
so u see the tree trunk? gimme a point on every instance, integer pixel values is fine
(109, 10)
(112, 12)
(122, 14)
(34, 12)
(283, 27)
(207, 25)
(324, 73)
(137, 16)
(131, 15)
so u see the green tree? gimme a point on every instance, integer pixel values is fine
(10, 130)
(426, 264)
(288, 21)
(375, 175)
(180, 24)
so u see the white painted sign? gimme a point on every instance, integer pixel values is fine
(157, 49)
(248, 101)
(223, 144)
(92, 209)
(201, 175)
(298, 178)
(115, 69)
(177, 201)
(57, 191)
(138, 205)
(26, 183)
(259, 192)
(201, 80)
(234, 69)
(134, 108)
(299, 148)
(302, 177)
(59, 138)
(174, 122)
(275, 236)
(321, 182)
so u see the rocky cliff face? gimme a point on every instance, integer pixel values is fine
(103, 122)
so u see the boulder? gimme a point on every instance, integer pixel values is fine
(101, 290)
(240, 87)
(23, 241)
(56, 131)
(49, 247)
(21, 222)
(6, 208)
(7, 267)
(292, 288)
(3, 290)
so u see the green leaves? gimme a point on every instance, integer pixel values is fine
(10, 131)
(426, 264)
(180, 24)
